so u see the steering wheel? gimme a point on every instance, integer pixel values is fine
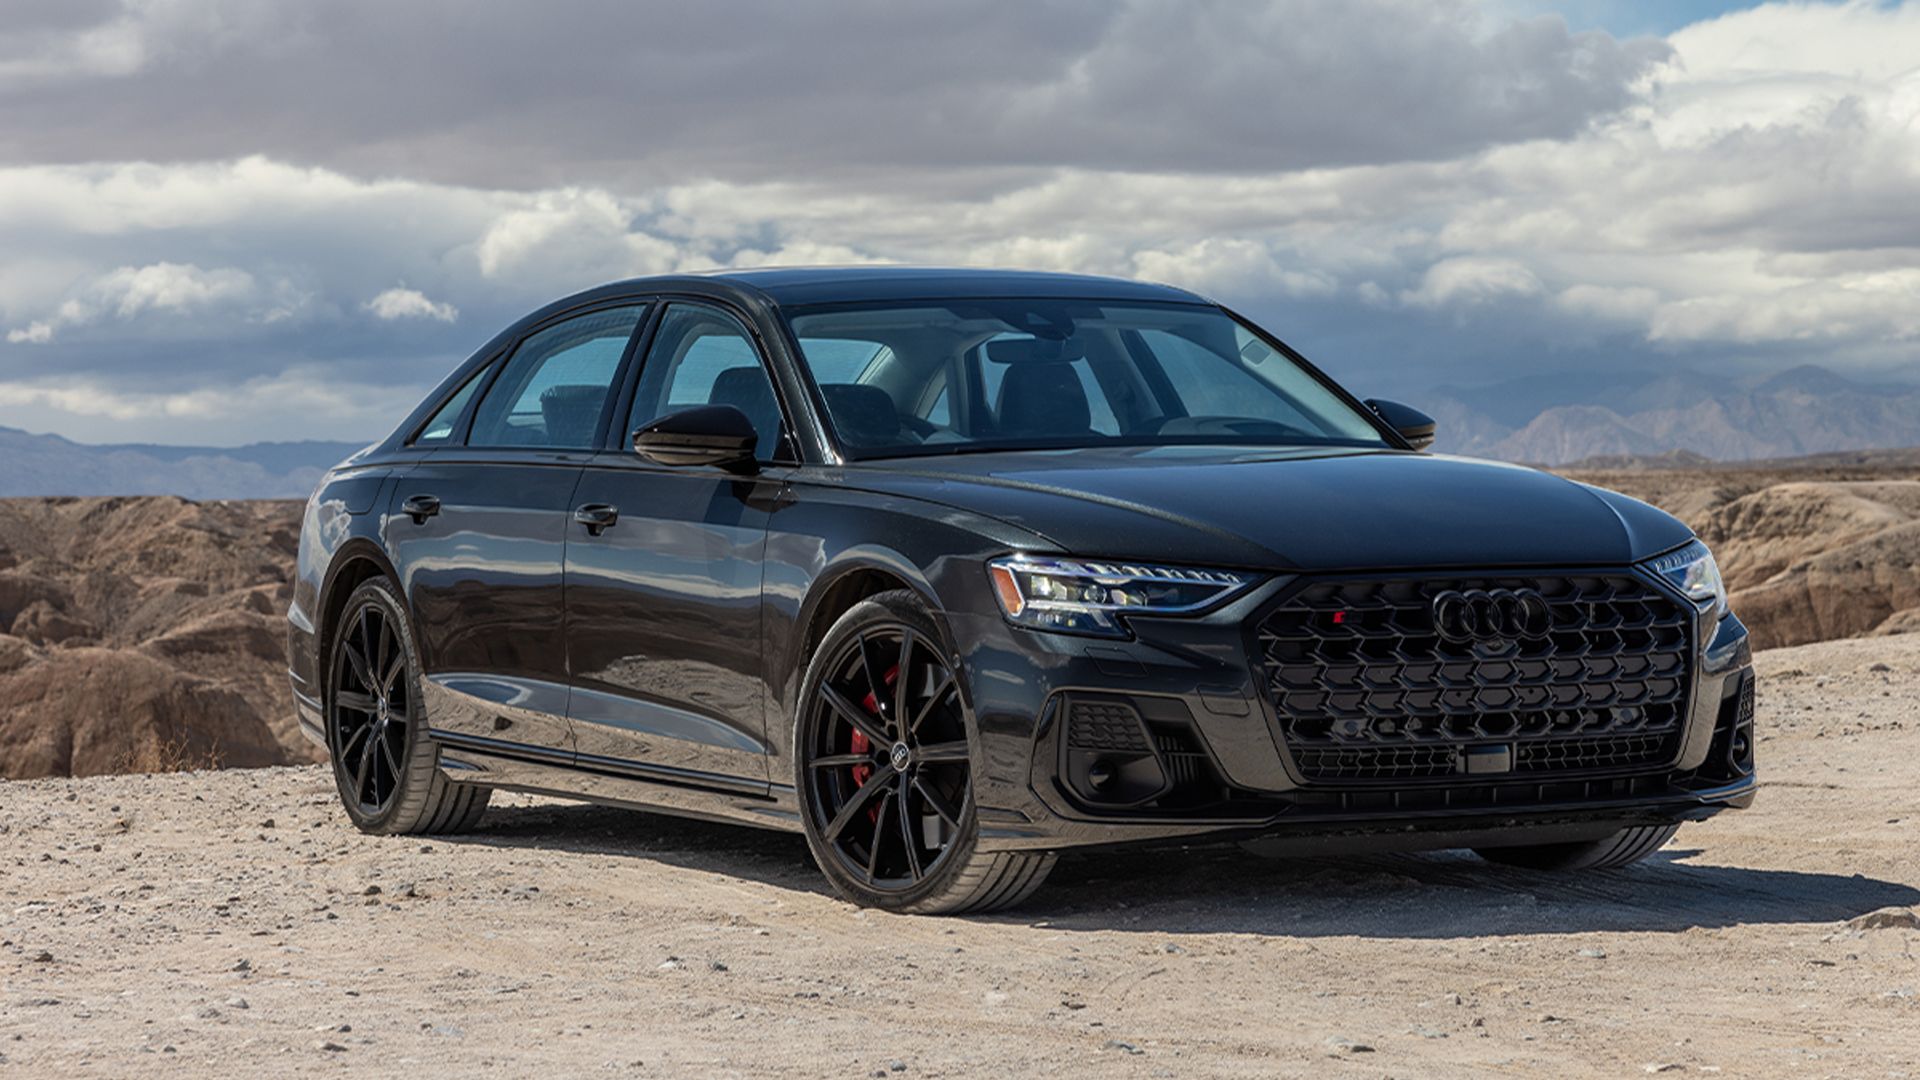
(918, 426)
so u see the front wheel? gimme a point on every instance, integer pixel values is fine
(884, 770)
(1624, 848)
(385, 767)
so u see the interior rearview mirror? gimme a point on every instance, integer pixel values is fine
(705, 435)
(1035, 350)
(1413, 425)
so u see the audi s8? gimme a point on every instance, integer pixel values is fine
(954, 570)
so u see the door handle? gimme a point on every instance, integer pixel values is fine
(420, 507)
(597, 517)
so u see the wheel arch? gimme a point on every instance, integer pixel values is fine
(855, 576)
(358, 561)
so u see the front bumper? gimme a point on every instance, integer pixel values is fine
(1197, 682)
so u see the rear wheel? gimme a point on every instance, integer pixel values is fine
(385, 766)
(1623, 848)
(885, 774)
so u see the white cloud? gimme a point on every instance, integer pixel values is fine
(1838, 309)
(1221, 264)
(37, 333)
(168, 287)
(1467, 280)
(93, 397)
(127, 292)
(404, 303)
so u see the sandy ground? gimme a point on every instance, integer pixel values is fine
(231, 924)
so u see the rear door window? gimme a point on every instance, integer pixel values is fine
(553, 390)
(439, 429)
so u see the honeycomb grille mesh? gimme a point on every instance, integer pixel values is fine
(1113, 727)
(1366, 688)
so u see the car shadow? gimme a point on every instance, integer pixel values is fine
(1204, 890)
(762, 855)
(1448, 894)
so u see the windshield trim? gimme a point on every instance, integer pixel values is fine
(1389, 438)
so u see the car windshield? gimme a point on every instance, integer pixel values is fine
(937, 377)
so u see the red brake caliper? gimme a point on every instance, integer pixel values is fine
(860, 744)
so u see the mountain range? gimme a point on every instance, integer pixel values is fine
(1561, 419)
(50, 465)
(1542, 420)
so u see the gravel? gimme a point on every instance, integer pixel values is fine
(561, 938)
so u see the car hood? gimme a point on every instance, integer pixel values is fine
(1310, 509)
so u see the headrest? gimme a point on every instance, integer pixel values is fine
(1040, 398)
(863, 415)
(747, 389)
(571, 413)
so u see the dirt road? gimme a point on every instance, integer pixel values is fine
(231, 924)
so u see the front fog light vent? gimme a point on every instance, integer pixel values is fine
(1105, 725)
(1740, 745)
(1110, 760)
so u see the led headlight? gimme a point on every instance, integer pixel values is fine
(1693, 571)
(1084, 596)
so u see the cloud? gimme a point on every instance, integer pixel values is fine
(127, 292)
(315, 392)
(403, 303)
(1467, 280)
(524, 98)
(1410, 192)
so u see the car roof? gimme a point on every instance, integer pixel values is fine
(797, 285)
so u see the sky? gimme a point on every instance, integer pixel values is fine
(224, 221)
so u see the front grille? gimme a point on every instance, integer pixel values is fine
(1378, 762)
(1366, 689)
(1619, 751)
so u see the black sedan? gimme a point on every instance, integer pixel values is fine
(953, 570)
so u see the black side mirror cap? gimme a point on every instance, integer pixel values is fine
(705, 435)
(1413, 425)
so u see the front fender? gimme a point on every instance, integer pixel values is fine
(822, 536)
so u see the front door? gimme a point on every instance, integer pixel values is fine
(663, 602)
(478, 533)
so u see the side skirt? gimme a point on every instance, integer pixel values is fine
(470, 759)
(307, 711)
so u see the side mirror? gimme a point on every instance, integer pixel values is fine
(1413, 425)
(707, 435)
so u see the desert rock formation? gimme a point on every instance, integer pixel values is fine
(1811, 551)
(148, 633)
(144, 634)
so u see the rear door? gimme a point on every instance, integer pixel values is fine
(663, 604)
(478, 532)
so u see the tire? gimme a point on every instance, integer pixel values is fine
(871, 825)
(373, 705)
(1624, 848)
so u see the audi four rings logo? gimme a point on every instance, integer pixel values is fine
(1491, 615)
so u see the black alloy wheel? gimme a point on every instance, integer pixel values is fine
(885, 770)
(372, 706)
(385, 764)
(889, 766)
